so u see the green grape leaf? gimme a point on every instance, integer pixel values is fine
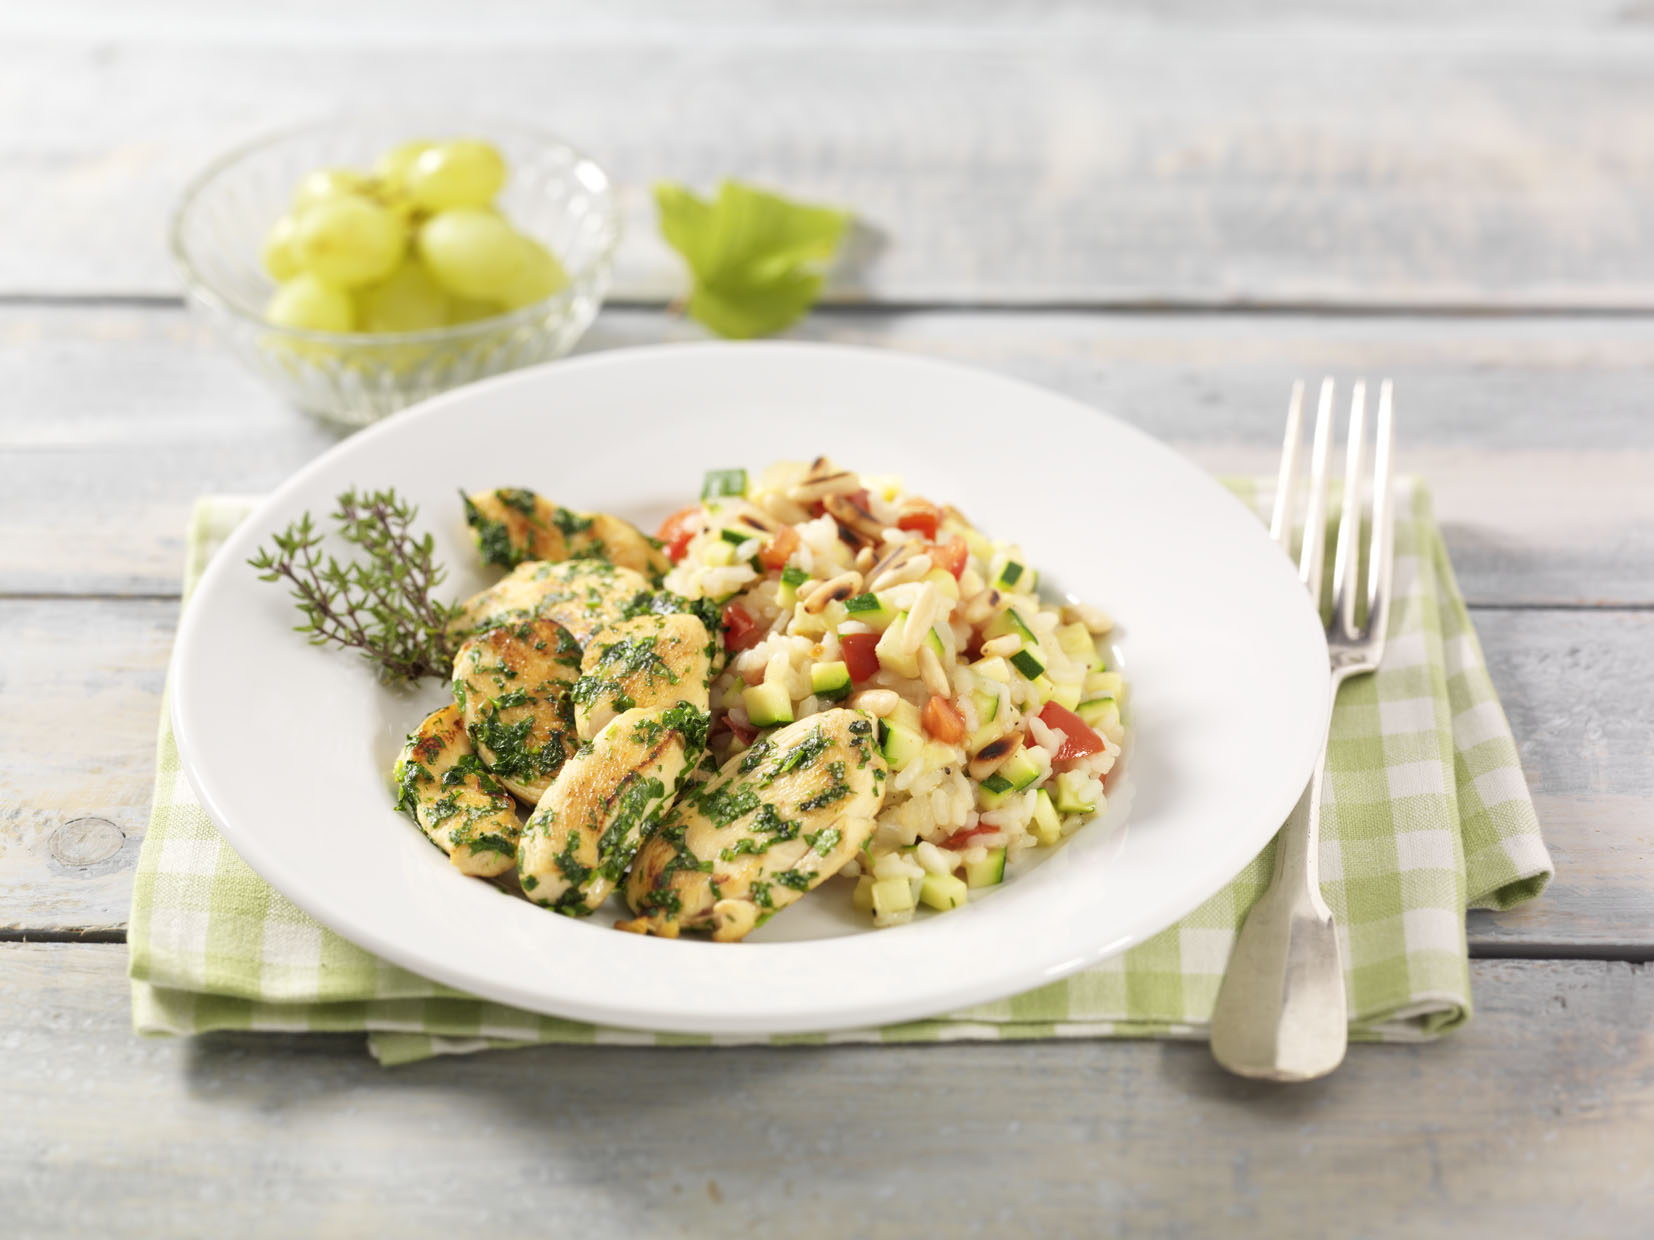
(755, 258)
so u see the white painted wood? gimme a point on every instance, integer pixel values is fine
(1532, 1122)
(1206, 153)
(1536, 433)
(91, 671)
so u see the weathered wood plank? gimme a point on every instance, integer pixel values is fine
(77, 756)
(1535, 432)
(1534, 1121)
(1408, 154)
(92, 673)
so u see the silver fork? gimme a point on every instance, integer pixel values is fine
(1281, 1012)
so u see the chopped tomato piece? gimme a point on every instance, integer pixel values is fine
(1080, 739)
(677, 531)
(740, 629)
(774, 554)
(962, 839)
(922, 517)
(951, 556)
(943, 721)
(859, 655)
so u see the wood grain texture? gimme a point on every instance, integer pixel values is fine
(1537, 1120)
(1536, 433)
(1199, 153)
(93, 670)
(84, 681)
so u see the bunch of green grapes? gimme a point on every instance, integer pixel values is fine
(415, 244)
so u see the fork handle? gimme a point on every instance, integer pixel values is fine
(1281, 1012)
(1297, 874)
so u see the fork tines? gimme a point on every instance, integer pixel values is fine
(1346, 561)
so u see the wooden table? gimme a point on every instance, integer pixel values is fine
(1168, 211)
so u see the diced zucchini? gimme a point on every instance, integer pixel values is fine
(933, 639)
(993, 668)
(1075, 640)
(1103, 684)
(942, 891)
(735, 537)
(1094, 710)
(1019, 770)
(979, 546)
(987, 872)
(720, 555)
(767, 704)
(987, 707)
(892, 895)
(899, 743)
(870, 610)
(1014, 576)
(1070, 799)
(1066, 693)
(1078, 644)
(791, 579)
(906, 714)
(720, 482)
(889, 649)
(945, 582)
(830, 681)
(995, 790)
(862, 897)
(1047, 822)
(1028, 662)
(1008, 621)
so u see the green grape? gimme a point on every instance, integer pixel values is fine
(327, 183)
(349, 241)
(537, 277)
(312, 304)
(392, 167)
(462, 173)
(278, 256)
(408, 300)
(471, 252)
(468, 310)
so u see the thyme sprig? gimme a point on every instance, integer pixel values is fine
(382, 605)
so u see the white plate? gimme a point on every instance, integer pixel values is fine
(289, 745)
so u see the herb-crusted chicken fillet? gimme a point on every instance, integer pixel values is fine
(586, 829)
(648, 660)
(581, 595)
(514, 686)
(514, 525)
(774, 822)
(442, 786)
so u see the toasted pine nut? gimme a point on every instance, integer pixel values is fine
(932, 673)
(877, 702)
(1095, 619)
(836, 589)
(1004, 646)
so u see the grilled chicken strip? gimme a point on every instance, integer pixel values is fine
(513, 525)
(773, 823)
(649, 660)
(586, 829)
(581, 595)
(442, 786)
(514, 686)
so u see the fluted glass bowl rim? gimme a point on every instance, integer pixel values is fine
(202, 290)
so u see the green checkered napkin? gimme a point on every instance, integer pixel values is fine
(1425, 815)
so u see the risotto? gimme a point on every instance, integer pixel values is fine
(999, 717)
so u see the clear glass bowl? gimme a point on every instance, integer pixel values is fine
(553, 193)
